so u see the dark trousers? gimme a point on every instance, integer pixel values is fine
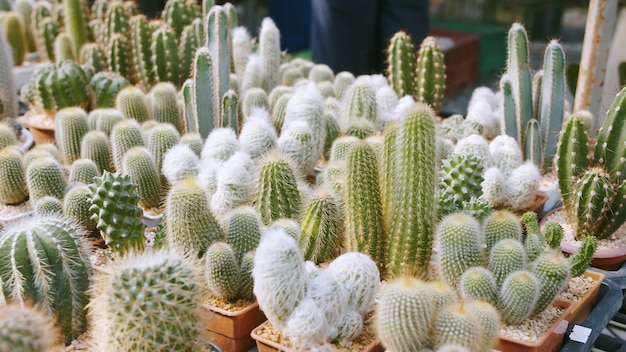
(353, 35)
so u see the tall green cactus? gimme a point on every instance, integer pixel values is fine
(518, 70)
(76, 23)
(46, 31)
(70, 127)
(430, 75)
(552, 270)
(165, 58)
(203, 94)
(13, 188)
(176, 15)
(243, 230)
(121, 57)
(24, 9)
(15, 34)
(138, 163)
(165, 105)
(321, 224)
(141, 38)
(217, 31)
(93, 54)
(63, 48)
(412, 232)
(518, 296)
(230, 111)
(116, 21)
(277, 194)
(161, 138)
(222, 271)
(188, 44)
(131, 102)
(401, 63)
(359, 102)
(58, 281)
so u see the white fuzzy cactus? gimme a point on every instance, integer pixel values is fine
(258, 134)
(359, 275)
(482, 113)
(494, 186)
(269, 49)
(220, 145)
(307, 326)
(235, 187)
(477, 146)
(386, 102)
(207, 175)
(484, 94)
(298, 144)
(252, 75)
(179, 163)
(404, 104)
(307, 105)
(242, 47)
(522, 186)
(506, 153)
(359, 102)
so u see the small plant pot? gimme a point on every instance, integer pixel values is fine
(264, 344)
(41, 133)
(151, 220)
(582, 307)
(550, 341)
(554, 197)
(10, 219)
(26, 139)
(231, 330)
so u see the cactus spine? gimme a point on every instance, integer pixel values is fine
(277, 193)
(142, 53)
(321, 227)
(13, 188)
(165, 57)
(26, 328)
(203, 93)
(70, 127)
(430, 75)
(138, 163)
(411, 235)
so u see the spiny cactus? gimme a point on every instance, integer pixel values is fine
(161, 139)
(202, 94)
(401, 63)
(26, 328)
(455, 324)
(168, 290)
(165, 105)
(165, 58)
(45, 177)
(506, 256)
(518, 296)
(13, 188)
(460, 180)
(138, 163)
(57, 281)
(243, 230)
(8, 96)
(179, 163)
(70, 127)
(66, 85)
(46, 32)
(217, 40)
(222, 271)
(141, 38)
(83, 170)
(93, 54)
(191, 225)
(478, 283)
(411, 234)
(235, 184)
(130, 101)
(552, 270)
(322, 227)
(48, 205)
(125, 135)
(24, 9)
(269, 49)
(63, 49)
(277, 193)
(430, 75)
(95, 146)
(258, 135)
(114, 208)
(188, 44)
(359, 102)
(76, 205)
(105, 86)
(15, 34)
(579, 261)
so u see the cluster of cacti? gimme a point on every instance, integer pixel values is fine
(414, 315)
(592, 188)
(492, 263)
(316, 307)
(58, 281)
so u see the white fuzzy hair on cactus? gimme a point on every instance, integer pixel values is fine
(220, 145)
(482, 112)
(252, 74)
(477, 146)
(258, 134)
(386, 102)
(359, 275)
(235, 186)
(242, 47)
(307, 327)
(180, 162)
(506, 153)
(494, 186)
(331, 298)
(298, 143)
(306, 104)
(522, 186)
(207, 175)
(404, 104)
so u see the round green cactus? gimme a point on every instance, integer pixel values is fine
(460, 181)
(83, 170)
(76, 205)
(499, 225)
(222, 271)
(478, 283)
(125, 135)
(456, 324)
(13, 189)
(48, 205)
(131, 102)
(105, 86)
(518, 296)
(45, 177)
(138, 163)
(95, 147)
(490, 321)
(505, 257)
(70, 127)
(552, 270)
(243, 230)
(26, 328)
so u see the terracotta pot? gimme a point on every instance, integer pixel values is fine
(604, 258)
(231, 330)
(265, 345)
(41, 134)
(582, 307)
(549, 342)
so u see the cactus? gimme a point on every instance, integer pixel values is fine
(125, 135)
(68, 84)
(165, 58)
(165, 105)
(459, 239)
(341, 83)
(70, 127)
(114, 209)
(179, 163)
(460, 180)
(187, 47)
(46, 32)
(410, 239)
(120, 57)
(230, 108)
(176, 15)
(280, 279)
(518, 296)
(63, 49)
(13, 188)
(105, 86)
(44, 177)
(83, 170)
(8, 96)
(203, 94)
(552, 270)
(478, 283)
(57, 281)
(269, 49)
(15, 34)
(130, 101)
(76, 23)
(235, 184)
(246, 289)
(165, 314)
(76, 205)
(522, 185)
(456, 324)
(321, 227)
(357, 273)
(506, 154)
(553, 234)
(506, 256)
(222, 271)
(160, 140)
(401, 64)
(93, 55)
(138, 163)
(258, 135)
(190, 224)
(217, 41)
(243, 230)
(571, 160)
(141, 38)
(404, 315)
(359, 102)
(253, 98)
(26, 328)
(95, 146)
(193, 141)
(277, 193)
(24, 9)
(320, 73)
(430, 75)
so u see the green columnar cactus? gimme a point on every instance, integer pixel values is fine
(460, 181)
(280, 277)
(131, 102)
(190, 224)
(387, 173)
(222, 271)
(277, 193)
(230, 111)
(253, 98)
(141, 38)
(518, 296)
(165, 58)
(579, 261)
(552, 101)
(26, 328)
(83, 170)
(333, 131)
(125, 135)
(105, 86)
(70, 127)
(404, 315)
(116, 21)
(95, 146)
(45, 177)
(187, 47)
(532, 142)
(412, 233)
(47, 30)
(138, 163)
(359, 102)
(478, 283)
(202, 94)
(114, 209)
(99, 9)
(243, 230)
(459, 237)
(571, 161)
(458, 325)
(401, 64)
(15, 34)
(76, 23)
(165, 105)
(97, 28)
(341, 83)
(246, 289)
(57, 281)
(42, 95)
(68, 85)
(321, 225)
(258, 135)
(176, 15)
(93, 55)
(269, 50)
(63, 49)
(161, 139)
(341, 148)
(167, 287)
(193, 141)
(552, 270)
(13, 188)
(217, 40)
(506, 256)
(363, 206)
(279, 110)
(76, 205)
(8, 96)
(120, 57)
(186, 91)
(430, 75)
(518, 71)
(24, 9)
